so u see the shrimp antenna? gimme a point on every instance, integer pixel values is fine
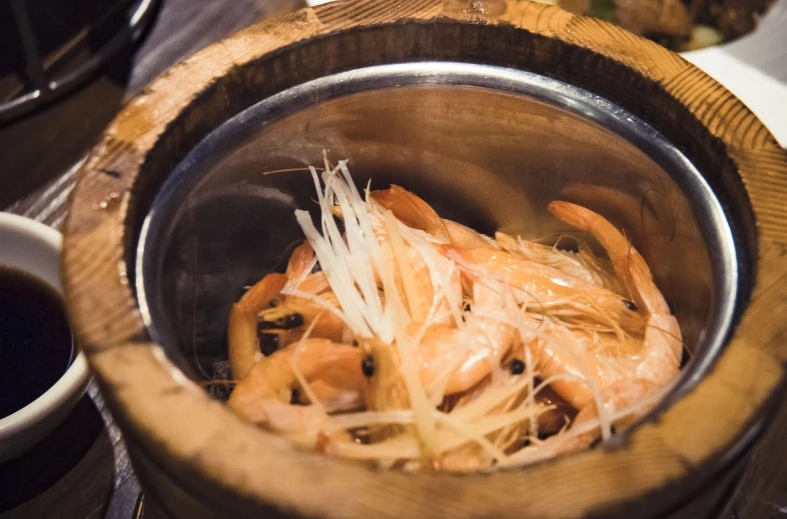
(672, 335)
(286, 170)
(216, 382)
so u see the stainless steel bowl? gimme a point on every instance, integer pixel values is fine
(487, 146)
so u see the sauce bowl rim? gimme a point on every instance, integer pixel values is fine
(73, 383)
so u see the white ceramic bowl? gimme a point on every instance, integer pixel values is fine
(35, 248)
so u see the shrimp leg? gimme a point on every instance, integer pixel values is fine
(299, 267)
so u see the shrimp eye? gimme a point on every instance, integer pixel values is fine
(291, 321)
(269, 342)
(517, 367)
(684, 358)
(367, 366)
(355, 343)
(465, 309)
(630, 305)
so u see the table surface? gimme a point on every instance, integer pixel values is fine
(82, 470)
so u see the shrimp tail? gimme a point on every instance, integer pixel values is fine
(301, 261)
(629, 265)
(411, 210)
(414, 212)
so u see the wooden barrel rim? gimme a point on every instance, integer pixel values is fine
(212, 454)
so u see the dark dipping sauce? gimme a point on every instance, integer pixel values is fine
(36, 346)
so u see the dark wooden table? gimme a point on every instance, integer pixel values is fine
(82, 470)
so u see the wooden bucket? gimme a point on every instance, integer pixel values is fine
(197, 460)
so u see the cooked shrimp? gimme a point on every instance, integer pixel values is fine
(414, 212)
(301, 262)
(468, 352)
(299, 271)
(258, 396)
(244, 344)
(662, 346)
(288, 316)
(542, 288)
(293, 315)
(621, 379)
(315, 283)
(411, 210)
(582, 264)
(334, 391)
(243, 338)
(478, 346)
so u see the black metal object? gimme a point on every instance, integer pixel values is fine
(44, 86)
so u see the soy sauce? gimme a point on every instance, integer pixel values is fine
(36, 346)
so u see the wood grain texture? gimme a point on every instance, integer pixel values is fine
(227, 467)
(762, 492)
